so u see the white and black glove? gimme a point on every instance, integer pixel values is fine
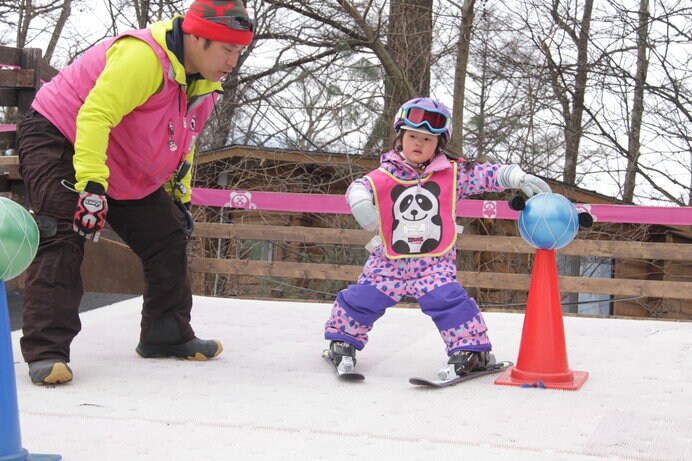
(92, 206)
(363, 208)
(513, 177)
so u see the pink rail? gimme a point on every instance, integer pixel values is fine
(492, 209)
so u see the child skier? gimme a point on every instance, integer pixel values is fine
(411, 200)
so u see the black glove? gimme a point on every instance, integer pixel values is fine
(189, 222)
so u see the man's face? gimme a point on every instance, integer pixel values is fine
(214, 60)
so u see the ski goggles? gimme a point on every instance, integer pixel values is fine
(417, 116)
(234, 22)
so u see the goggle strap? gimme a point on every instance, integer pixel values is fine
(428, 127)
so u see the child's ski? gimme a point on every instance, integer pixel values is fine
(490, 369)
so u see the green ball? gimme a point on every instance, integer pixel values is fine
(18, 239)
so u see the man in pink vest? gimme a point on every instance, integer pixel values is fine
(110, 139)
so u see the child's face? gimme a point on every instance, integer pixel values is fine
(418, 147)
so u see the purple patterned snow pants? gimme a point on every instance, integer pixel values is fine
(431, 281)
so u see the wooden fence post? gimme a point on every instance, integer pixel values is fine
(31, 59)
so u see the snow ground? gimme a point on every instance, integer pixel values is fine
(270, 396)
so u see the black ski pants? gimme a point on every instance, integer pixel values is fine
(151, 226)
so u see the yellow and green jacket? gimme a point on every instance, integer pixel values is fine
(126, 107)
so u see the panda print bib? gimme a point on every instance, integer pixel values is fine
(416, 217)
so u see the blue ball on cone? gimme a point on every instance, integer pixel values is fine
(548, 221)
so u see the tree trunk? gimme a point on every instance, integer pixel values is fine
(638, 103)
(573, 125)
(463, 47)
(65, 12)
(409, 41)
(142, 12)
(25, 16)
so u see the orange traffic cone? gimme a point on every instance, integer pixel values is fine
(542, 360)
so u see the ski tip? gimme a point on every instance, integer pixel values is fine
(431, 382)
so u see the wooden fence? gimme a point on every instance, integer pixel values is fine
(21, 74)
(20, 77)
(616, 287)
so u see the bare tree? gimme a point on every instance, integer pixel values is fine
(553, 85)
(65, 13)
(462, 61)
(569, 80)
(20, 16)
(508, 112)
(409, 44)
(138, 14)
(633, 147)
(640, 88)
(399, 41)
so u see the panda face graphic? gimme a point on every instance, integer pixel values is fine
(417, 207)
(417, 226)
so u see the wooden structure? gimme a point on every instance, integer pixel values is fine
(651, 265)
(21, 72)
